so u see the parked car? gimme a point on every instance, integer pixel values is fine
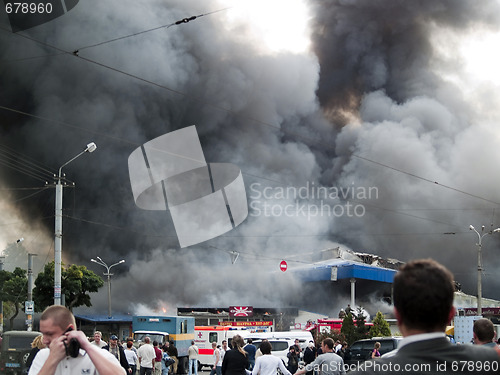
(280, 347)
(16, 347)
(361, 350)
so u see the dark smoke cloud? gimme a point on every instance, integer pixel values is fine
(382, 58)
(372, 88)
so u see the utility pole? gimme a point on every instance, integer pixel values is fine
(29, 306)
(479, 244)
(58, 227)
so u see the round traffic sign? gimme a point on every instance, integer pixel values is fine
(283, 266)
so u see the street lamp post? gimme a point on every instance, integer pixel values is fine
(58, 227)
(479, 264)
(108, 274)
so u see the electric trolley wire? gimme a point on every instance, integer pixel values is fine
(179, 22)
(23, 164)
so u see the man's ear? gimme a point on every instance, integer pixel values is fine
(69, 328)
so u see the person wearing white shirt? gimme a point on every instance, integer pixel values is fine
(267, 364)
(147, 355)
(57, 324)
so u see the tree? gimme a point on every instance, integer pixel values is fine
(333, 334)
(380, 326)
(14, 291)
(76, 283)
(348, 329)
(361, 330)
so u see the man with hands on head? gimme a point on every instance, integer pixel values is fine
(57, 324)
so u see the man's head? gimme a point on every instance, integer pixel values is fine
(484, 331)
(55, 320)
(147, 339)
(224, 344)
(249, 341)
(327, 344)
(266, 347)
(423, 296)
(214, 345)
(113, 341)
(296, 341)
(97, 336)
(155, 343)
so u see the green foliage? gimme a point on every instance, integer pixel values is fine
(13, 292)
(348, 329)
(355, 331)
(334, 335)
(380, 326)
(76, 283)
(361, 331)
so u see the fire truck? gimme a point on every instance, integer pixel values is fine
(179, 329)
(206, 335)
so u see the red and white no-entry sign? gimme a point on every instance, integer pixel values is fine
(283, 266)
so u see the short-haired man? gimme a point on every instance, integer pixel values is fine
(147, 355)
(217, 367)
(193, 352)
(327, 363)
(223, 349)
(57, 324)
(251, 349)
(118, 351)
(98, 340)
(173, 353)
(484, 333)
(423, 306)
(158, 357)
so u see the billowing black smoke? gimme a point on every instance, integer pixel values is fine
(372, 88)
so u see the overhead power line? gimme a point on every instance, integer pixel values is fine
(24, 164)
(180, 22)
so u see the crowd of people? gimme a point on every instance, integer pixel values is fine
(61, 350)
(423, 304)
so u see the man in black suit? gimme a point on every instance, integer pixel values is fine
(423, 305)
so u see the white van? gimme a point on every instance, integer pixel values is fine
(303, 336)
(281, 341)
(280, 346)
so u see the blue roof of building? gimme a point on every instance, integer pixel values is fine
(337, 269)
(116, 318)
